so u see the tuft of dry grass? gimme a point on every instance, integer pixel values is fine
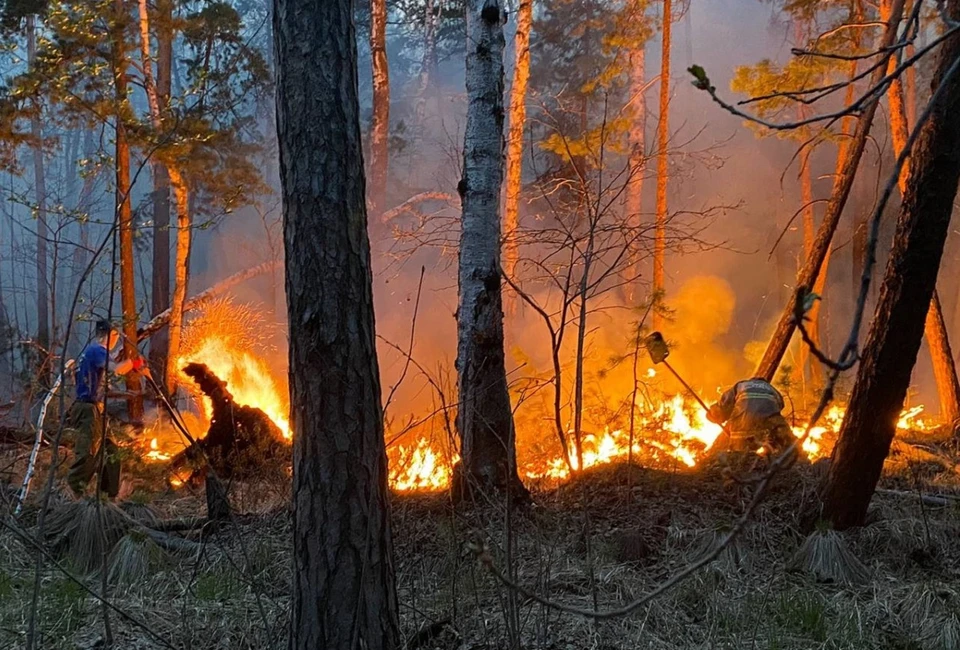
(826, 557)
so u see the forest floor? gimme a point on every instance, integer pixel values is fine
(597, 542)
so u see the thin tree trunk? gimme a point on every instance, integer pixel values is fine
(484, 419)
(428, 63)
(128, 296)
(841, 190)
(663, 137)
(883, 375)
(809, 229)
(40, 193)
(518, 117)
(633, 203)
(344, 594)
(380, 125)
(935, 331)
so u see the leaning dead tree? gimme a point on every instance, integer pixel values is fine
(484, 418)
(908, 285)
(807, 278)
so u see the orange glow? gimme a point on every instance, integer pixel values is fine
(155, 453)
(420, 468)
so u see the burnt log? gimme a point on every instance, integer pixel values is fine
(241, 443)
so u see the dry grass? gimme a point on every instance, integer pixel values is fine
(606, 538)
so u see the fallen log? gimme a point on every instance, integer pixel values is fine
(157, 322)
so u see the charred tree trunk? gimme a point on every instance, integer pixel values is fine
(484, 419)
(160, 294)
(518, 118)
(380, 125)
(40, 193)
(344, 595)
(935, 331)
(841, 191)
(909, 282)
(663, 139)
(128, 296)
(805, 359)
(633, 200)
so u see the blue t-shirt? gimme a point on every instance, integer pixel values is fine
(90, 371)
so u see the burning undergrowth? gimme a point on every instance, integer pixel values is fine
(640, 419)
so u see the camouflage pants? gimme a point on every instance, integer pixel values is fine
(88, 423)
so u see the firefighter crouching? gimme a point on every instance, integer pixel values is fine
(751, 413)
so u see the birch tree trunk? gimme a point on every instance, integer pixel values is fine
(935, 330)
(344, 595)
(40, 194)
(883, 375)
(380, 125)
(484, 419)
(518, 118)
(663, 140)
(838, 198)
(128, 296)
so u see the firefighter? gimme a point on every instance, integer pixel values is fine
(86, 416)
(751, 413)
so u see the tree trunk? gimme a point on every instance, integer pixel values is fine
(380, 125)
(128, 296)
(484, 419)
(908, 286)
(344, 595)
(518, 118)
(633, 201)
(40, 193)
(841, 191)
(160, 294)
(428, 63)
(935, 331)
(809, 228)
(663, 137)
(181, 276)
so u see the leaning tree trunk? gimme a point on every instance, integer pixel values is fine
(898, 322)
(484, 418)
(160, 294)
(935, 331)
(518, 118)
(838, 199)
(40, 191)
(128, 295)
(344, 595)
(380, 125)
(663, 140)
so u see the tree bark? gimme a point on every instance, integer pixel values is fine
(380, 125)
(344, 595)
(663, 138)
(809, 230)
(841, 191)
(484, 418)
(897, 328)
(160, 294)
(40, 193)
(518, 118)
(428, 63)
(633, 202)
(128, 296)
(935, 331)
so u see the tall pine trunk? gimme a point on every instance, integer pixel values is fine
(380, 125)
(892, 345)
(484, 418)
(518, 118)
(807, 278)
(633, 197)
(344, 595)
(663, 139)
(935, 331)
(160, 293)
(428, 62)
(128, 295)
(40, 194)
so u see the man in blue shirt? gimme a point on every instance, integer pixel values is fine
(86, 414)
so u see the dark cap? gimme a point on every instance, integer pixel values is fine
(103, 327)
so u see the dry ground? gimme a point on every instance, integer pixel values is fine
(606, 538)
